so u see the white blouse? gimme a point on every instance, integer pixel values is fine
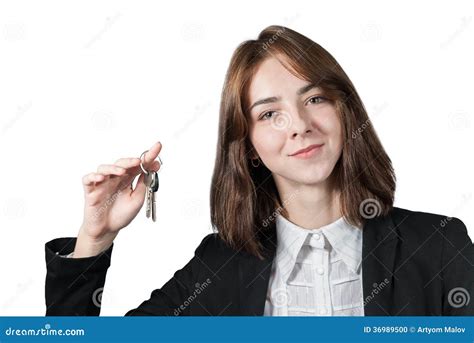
(316, 272)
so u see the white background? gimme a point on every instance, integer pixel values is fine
(87, 82)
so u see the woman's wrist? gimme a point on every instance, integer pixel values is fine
(87, 246)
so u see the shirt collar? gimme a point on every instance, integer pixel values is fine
(343, 237)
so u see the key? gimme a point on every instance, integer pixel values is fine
(151, 183)
(155, 184)
(153, 207)
(148, 183)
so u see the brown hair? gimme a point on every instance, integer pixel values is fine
(244, 198)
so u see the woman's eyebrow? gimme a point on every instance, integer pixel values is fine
(300, 91)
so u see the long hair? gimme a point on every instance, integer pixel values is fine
(244, 199)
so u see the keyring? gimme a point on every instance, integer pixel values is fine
(141, 165)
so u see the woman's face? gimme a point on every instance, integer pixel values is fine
(292, 118)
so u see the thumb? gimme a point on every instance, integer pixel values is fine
(138, 193)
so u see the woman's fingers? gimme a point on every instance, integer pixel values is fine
(111, 169)
(155, 166)
(139, 191)
(128, 167)
(152, 154)
(132, 164)
(91, 178)
(129, 162)
(103, 171)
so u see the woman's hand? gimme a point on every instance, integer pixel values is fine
(110, 203)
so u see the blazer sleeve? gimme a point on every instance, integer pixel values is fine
(74, 286)
(457, 270)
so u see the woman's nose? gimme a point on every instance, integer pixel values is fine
(300, 123)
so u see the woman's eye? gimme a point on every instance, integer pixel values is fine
(265, 115)
(318, 99)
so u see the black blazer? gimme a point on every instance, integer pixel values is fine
(414, 263)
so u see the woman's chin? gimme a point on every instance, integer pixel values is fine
(310, 179)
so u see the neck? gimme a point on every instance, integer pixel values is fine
(310, 206)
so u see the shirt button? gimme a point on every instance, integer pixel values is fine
(322, 311)
(320, 271)
(316, 241)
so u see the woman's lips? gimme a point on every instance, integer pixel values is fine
(309, 153)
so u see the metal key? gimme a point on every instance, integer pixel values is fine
(152, 184)
(148, 183)
(155, 184)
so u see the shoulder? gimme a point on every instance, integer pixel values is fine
(436, 248)
(424, 222)
(214, 252)
(419, 217)
(440, 230)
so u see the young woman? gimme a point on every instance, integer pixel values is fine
(302, 202)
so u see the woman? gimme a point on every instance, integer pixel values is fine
(302, 199)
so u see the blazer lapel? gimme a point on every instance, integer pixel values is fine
(254, 276)
(380, 240)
